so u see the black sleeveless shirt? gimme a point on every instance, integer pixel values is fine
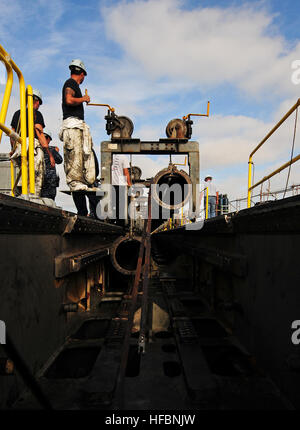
(76, 111)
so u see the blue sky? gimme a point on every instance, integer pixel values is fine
(157, 60)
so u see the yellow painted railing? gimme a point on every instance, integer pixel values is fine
(284, 166)
(10, 66)
(11, 133)
(7, 92)
(30, 140)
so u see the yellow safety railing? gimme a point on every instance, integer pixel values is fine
(10, 66)
(10, 133)
(7, 92)
(284, 166)
(30, 140)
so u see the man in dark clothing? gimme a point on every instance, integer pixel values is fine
(51, 179)
(79, 161)
(37, 117)
(212, 197)
(40, 143)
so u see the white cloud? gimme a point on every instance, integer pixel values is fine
(206, 46)
(235, 185)
(168, 52)
(227, 141)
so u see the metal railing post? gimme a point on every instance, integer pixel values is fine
(284, 166)
(249, 182)
(250, 186)
(30, 140)
(22, 121)
(8, 132)
(8, 87)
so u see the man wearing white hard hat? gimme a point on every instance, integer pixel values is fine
(51, 179)
(40, 142)
(79, 161)
(212, 196)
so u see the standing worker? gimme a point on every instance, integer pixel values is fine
(120, 180)
(40, 142)
(212, 196)
(79, 161)
(51, 179)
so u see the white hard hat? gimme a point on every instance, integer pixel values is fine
(48, 133)
(37, 94)
(208, 176)
(77, 64)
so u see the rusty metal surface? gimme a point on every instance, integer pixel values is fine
(21, 216)
(144, 247)
(113, 251)
(146, 276)
(281, 216)
(271, 218)
(167, 175)
(162, 146)
(151, 383)
(176, 129)
(66, 264)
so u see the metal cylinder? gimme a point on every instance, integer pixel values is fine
(124, 254)
(172, 188)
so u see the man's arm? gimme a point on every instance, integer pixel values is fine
(12, 143)
(41, 137)
(15, 124)
(57, 157)
(75, 101)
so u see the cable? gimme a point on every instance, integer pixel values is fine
(292, 153)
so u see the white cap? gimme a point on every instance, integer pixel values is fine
(37, 94)
(208, 176)
(78, 64)
(48, 133)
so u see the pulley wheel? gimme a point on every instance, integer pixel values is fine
(136, 173)
(176, 129)
(125, 130)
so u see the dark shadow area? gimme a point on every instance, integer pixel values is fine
(172, 369)
(133, 362)
(194, 307)
(92, 329)
(209, 328)
(127, 254)
(228, 361)
(163, 335)
(168, 347)
(73, 363)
